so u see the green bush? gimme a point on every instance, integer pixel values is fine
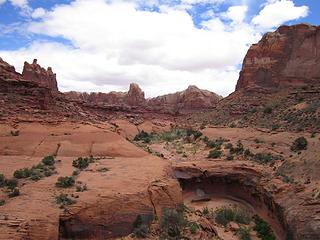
(195, 133)
(244, 233)
(225, 215)
(64, 200)
(48, 161)
(2, 202)
(205, 211)
(172, 224)
(263, 229)
(194, 227)
(215, 154)
(11, 183)
(215, 143)
(81, 188)
(22, 173)
(265, 158)
(267, 110)
(299, 144)
(82, 163)
(140, 230)
(143, 136)
(174, 134)
(2, 181)
(65, 182)
(239, 149)
(230, 157)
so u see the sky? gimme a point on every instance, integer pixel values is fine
(163, 45)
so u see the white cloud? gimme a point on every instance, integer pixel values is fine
(2, 1)
(19, 3)
(236, 13)
(38, 13)
(277, 12)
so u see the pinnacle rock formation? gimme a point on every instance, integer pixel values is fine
(35, 73)
(288, 57)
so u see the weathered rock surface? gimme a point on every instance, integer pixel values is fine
(35, 73)
(7, 71)
(291, 217)
(190, 99)
(290, 56)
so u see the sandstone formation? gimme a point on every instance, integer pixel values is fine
(35, 73)
(7, 71)
(288, 57)
(190, 99)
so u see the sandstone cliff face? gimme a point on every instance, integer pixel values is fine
(192, 98)
(7, 71)
(290, 56)
(35, 73)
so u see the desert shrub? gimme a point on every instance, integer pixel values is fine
(313, 135)
(230, 157)
(64, 200)
(75, 173)
(22, 173)
(263, 229)
(14, 193)
(247, 153)
(2, 202)
(11, 183)
(193, 132)
(48, 161)
(175, 133)
(81, 188)
(205, 211)
(299, 144)
(257, 140)
(194, 227)
(215, 154)
(15, 133)
(65, 182)
(267, 110)
(244, 233)
(239, 149)
(140, 230)
(264, 158)
(82, 162)
(143, 136)
(225, 215)
(172, 224)
(228, 146)
(2, 181)
(275, 127)
(215, 143)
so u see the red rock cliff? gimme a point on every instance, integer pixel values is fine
(34, 72)
(290, 56)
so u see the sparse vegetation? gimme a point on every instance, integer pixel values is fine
(65, 182)
(263, 229)
(244, 233)
(82, 162)
(81, 188)
(238, 150)
(143, 136)
(172, 224)
(230, 157)
(215, 143)
(44, 169)
(14, 193)
(265, 158)
(2, 202)
(225, 215)
(64, 200)
(267, 110)
(299, 144)
(140, 230)
(215, 154)
(15, 133)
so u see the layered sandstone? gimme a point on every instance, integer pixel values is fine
(192, 98)
(290, 56)
(35, 73)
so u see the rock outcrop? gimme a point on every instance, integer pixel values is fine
(290, 56)
(192, 98)
(35, 73)
(7, 71)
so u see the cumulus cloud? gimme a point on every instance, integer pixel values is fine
(114, 43)
(277, 12)
(2, 1)
(236, 13)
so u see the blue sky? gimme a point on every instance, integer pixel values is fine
(103, 45)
